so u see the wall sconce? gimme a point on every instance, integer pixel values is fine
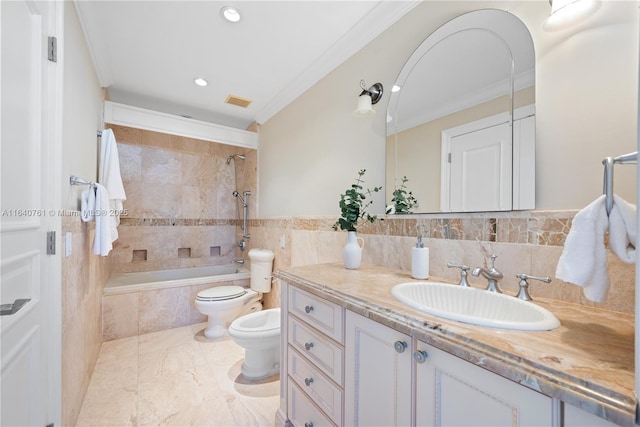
(367, 98)
(565, 12)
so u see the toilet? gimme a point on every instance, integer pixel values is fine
(223, 304)
(238, 312)
(259, 334)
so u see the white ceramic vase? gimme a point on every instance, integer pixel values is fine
(352, 251)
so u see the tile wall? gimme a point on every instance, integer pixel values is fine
(180, 211)
(525, 242)
(83, 279)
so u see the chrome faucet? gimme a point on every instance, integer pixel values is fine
(239, 261)
(492, 275)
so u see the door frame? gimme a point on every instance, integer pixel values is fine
(476, 125)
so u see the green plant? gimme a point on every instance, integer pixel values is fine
(402, 201)
(353, 206)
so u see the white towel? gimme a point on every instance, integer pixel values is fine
(584, 257)
(623, 230)
(102, 242)
(110, 178)
(88, 204)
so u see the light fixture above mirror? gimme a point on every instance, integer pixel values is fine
(565, 12)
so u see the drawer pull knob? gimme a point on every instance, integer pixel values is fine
(309, 424)
(420, 356)
(308, 345)
(400, 346)
(308, 381)
(308, 309)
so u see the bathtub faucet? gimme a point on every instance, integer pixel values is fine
(238, 261)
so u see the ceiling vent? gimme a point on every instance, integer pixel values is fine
(238, 100)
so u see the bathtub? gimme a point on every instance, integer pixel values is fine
(140, 303)
(164, 279)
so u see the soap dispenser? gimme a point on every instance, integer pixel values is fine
(420, 261)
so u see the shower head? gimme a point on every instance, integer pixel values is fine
(235, 156)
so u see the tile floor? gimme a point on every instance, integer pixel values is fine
(179, 378)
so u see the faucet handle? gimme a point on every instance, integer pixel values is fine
(493, 260)
(523, 293)
(463, 273)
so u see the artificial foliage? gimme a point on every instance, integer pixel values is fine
(354, 204)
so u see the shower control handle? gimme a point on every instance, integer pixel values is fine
(308, 309)
(308, 381)
(308, 345)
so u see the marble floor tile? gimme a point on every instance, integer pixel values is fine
(176, 377)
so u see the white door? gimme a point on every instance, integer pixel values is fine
(480, 170)
(377, 364)
(28, 394)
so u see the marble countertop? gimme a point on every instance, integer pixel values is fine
(588, 361)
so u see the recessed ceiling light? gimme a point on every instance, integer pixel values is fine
(200, 81)
(231, 14)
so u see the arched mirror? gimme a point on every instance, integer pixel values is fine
(461, 119)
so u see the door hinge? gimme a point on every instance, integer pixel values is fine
(52, 49)
(449, 157)
(51, 242)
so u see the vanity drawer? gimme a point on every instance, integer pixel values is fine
(321, 389)
(319, 313)
(320, 350)
(302, 412)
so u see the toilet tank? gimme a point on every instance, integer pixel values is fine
(261, 269)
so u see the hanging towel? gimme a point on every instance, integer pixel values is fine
(88, 204)
(110, 178)
(584, 257)
(623, 230)
(102, 242)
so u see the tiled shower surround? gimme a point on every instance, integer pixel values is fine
(180, 211)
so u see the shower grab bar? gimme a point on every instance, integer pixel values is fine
(74, 180)
(608, 163)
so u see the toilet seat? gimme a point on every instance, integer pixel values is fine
(262, 321)
(221, 293)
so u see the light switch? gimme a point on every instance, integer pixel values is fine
(68, 242)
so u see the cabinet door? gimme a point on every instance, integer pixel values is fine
(576, 417)
(453, 392)
(377, 375)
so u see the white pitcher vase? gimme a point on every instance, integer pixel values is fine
(352, 251)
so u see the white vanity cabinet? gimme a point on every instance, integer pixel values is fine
(576, 417)
(340, 368)
(453, 392)
(314, 360)
(377, 374)
(448, 390)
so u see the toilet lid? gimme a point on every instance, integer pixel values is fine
(221, 293)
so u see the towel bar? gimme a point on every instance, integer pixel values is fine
(74, 180)
(608, 163)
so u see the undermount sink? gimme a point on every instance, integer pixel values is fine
(475, 306)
